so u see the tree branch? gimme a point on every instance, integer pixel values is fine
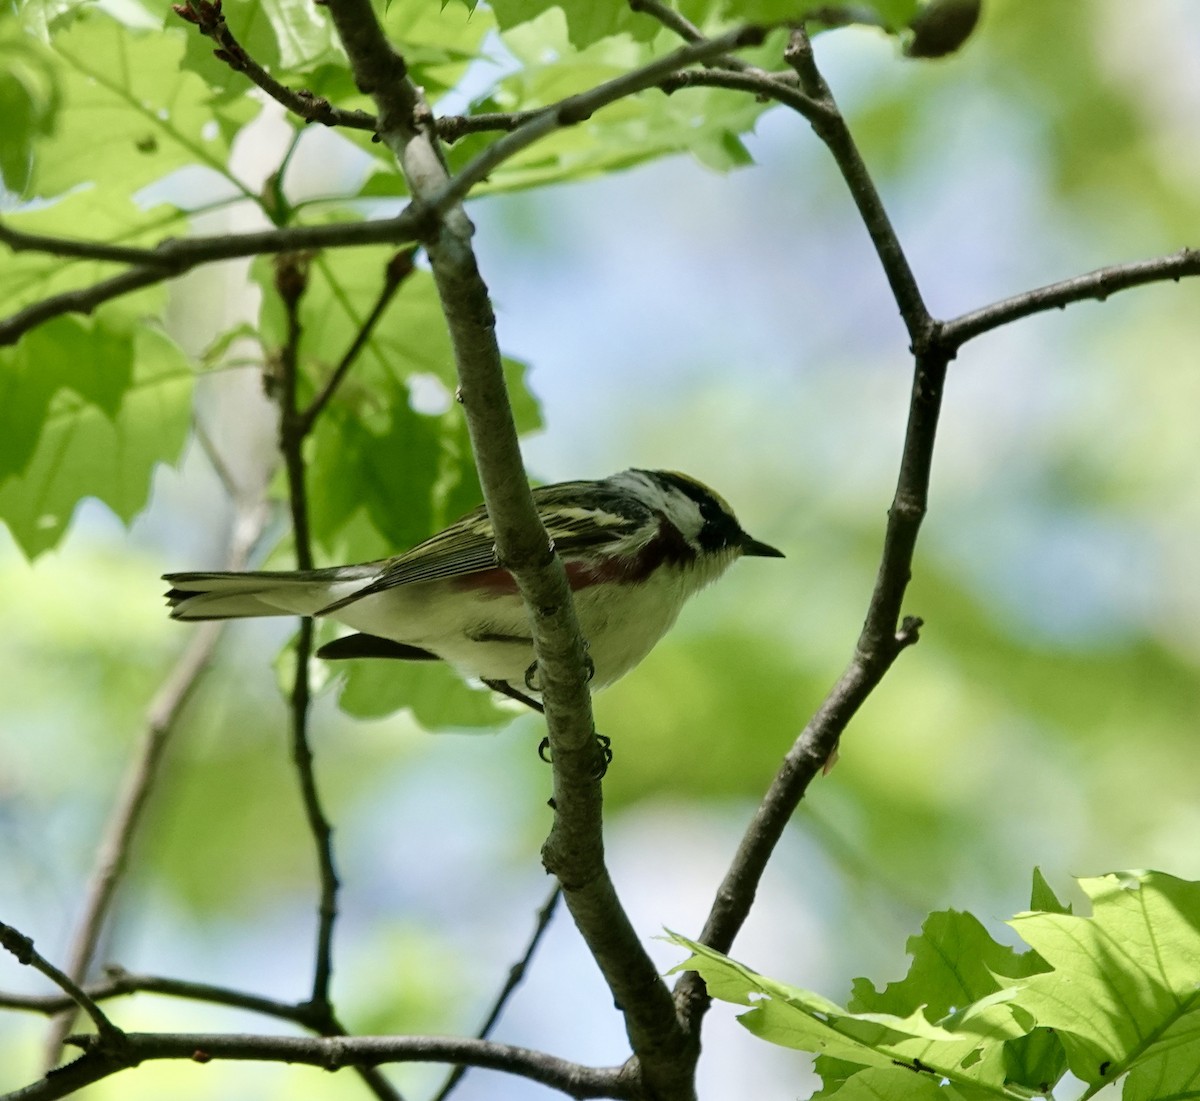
(328, 1053)
(121, 983)
(1097, 285)
(112, 855)
(291, 281)
(21, 948)
(883, 636)
(516, 976)
(578, 108)
(398, 269)
(452, 127)
(175, 256)
(686, 29)
(831, 128)
(758, 83)
(210, 21)
(574, 851)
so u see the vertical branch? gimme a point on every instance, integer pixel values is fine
(295, 424)
(574, 852)
(884, 635)
(291, 281)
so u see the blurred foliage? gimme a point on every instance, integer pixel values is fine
(1048, 714)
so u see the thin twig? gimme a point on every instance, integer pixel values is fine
(578, 108)
(112, 855)
(516, 976)
(760, 84)
(452, 127)
(19, 241)
(21, 947)
(175, 256)
(207, 17)
(1097, 284)
(291, 281)
(830, 126)
(397, 270)
(328, 1053)
(883, 636)
(687, 30)
(120, 983)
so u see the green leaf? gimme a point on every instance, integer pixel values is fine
(801, 1019)
(386, 464)
(954, 965)
(84, 451)
(891, 14)
(1043, 897)
(886, 1084)
(29, 102)
(704, 121)
(107, 214)
(588, 21)
(1170, 1066)
(131, 111)
(84, 356)
(374, 457)
(953, 978)
(437, 696)
(1124, 979)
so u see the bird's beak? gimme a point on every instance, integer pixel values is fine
(752, 548)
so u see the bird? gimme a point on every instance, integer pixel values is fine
(636, 546)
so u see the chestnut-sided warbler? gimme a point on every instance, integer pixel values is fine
(635, 546)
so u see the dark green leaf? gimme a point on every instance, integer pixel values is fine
(84, 451)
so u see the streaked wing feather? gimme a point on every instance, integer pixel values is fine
(468, 546)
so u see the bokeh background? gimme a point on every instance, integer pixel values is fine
(738, 327)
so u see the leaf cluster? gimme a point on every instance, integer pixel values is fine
(1109, 997)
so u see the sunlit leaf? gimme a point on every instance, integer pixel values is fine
(130, 112)
(1122, 977)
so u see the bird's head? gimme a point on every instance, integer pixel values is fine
(702, 516)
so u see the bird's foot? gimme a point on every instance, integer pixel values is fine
(604, 754)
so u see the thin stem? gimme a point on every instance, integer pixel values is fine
(516, 976)
(686, 29)
(21, 947)
(574, 852)
(398, 269)
(578, 108)
(830, 126)
(758, 83)
(174, 256)
(1097, 285)
(144, 769)
(883, 636)
(291, 281)
(208, 19)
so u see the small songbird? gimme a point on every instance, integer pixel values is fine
(635, 546)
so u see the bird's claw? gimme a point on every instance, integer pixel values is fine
(604, 754)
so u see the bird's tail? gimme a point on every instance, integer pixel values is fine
(234, 595)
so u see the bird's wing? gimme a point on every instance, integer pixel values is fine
(468, 546)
